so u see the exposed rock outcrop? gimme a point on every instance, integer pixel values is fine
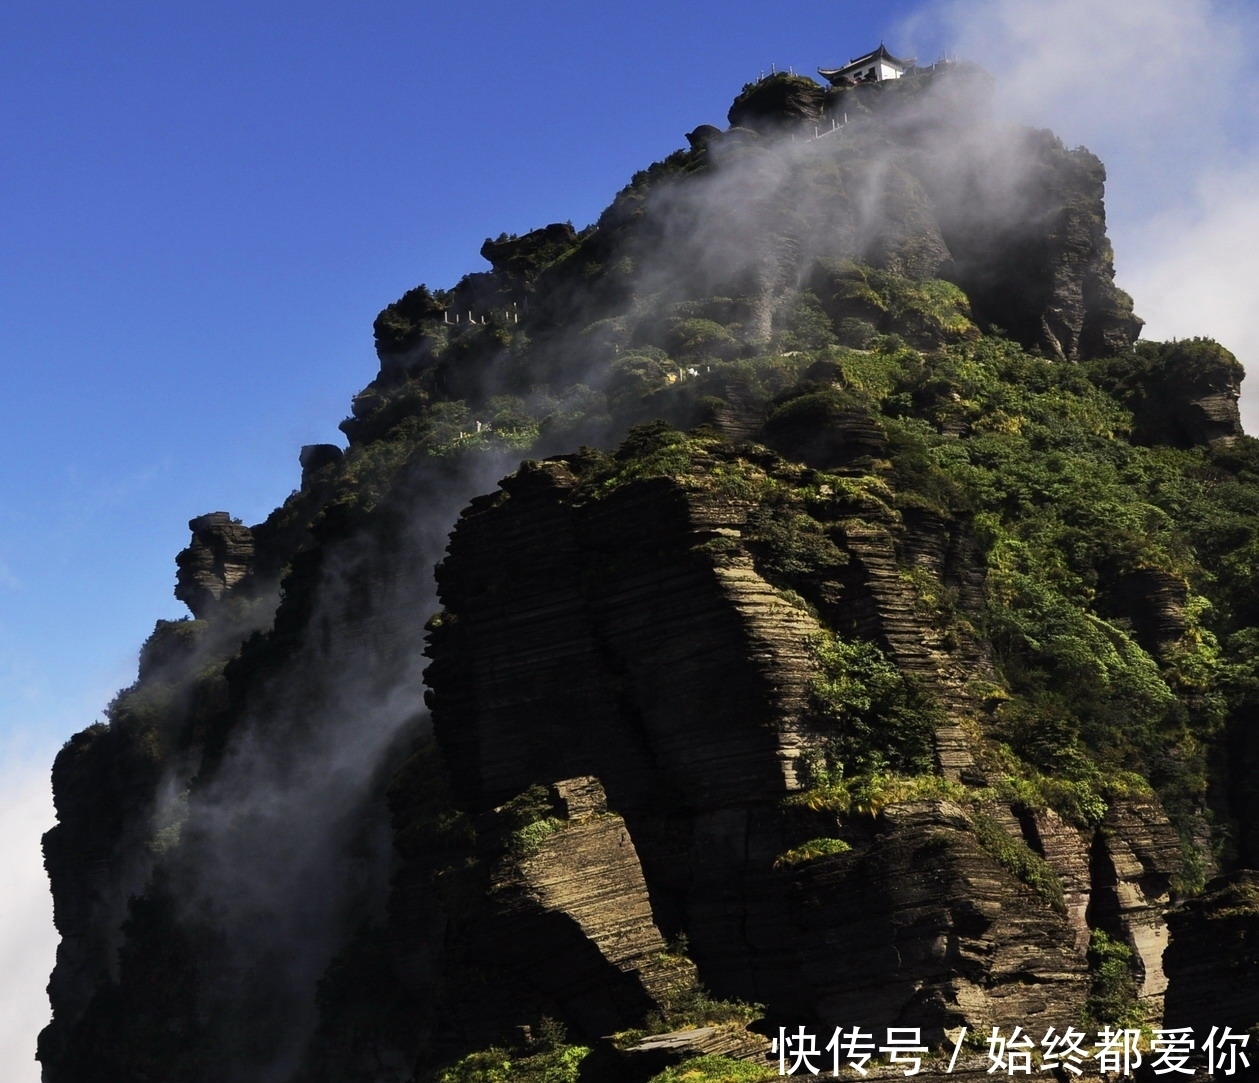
(1044, 265)
(520, 259)
(96, 861)
(1154, 600)
(315, 457)
(777, 102)
(1136, 854)
(580, 885)
(599, 645)
(699, 138)
(599, 599)
(1189, 396)
(219, 558)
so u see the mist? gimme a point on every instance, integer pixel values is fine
(920, 178)
(27, 939)
(1164, 92)
(282, 848)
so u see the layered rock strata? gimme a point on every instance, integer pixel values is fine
(220, 556)
(606, 640)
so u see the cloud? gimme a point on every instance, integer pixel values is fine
(1100, 64)
(27, 940)
(1195, 265)
(1164, 92)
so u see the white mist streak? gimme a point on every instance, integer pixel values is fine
(286, 851)
(28, 942)
(1164, 92)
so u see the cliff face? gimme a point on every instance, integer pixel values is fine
(865, 667)
(632, 616)
(601, 647)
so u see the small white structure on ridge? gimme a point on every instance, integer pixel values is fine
(872, 68)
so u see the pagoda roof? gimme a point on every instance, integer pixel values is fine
(880, 53)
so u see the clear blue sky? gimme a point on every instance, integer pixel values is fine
(205, 205)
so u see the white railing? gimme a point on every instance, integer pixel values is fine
(510, 315)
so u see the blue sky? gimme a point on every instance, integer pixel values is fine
(205, 205)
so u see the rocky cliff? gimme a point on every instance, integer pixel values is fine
(792, 601)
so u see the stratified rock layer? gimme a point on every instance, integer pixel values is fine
(601, 636)
(219, 557)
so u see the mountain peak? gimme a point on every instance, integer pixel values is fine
(790, 600)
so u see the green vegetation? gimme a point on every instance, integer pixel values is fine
(877, 719)
(688, 1005)
(867, 795)
(398, 324)
(1113, 997)
(711, 1069)
(862, 300)
(811, 851)
(530, 820)
(1081, 801)
(1019, 859)
(791, 547)
(528, 839)
(563, 1064)
(1071, 521)
(560, 1064)
(779, 80)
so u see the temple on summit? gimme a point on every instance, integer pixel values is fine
(872, 68)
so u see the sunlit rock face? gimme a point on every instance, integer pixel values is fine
(619, 641)
(219, 557)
